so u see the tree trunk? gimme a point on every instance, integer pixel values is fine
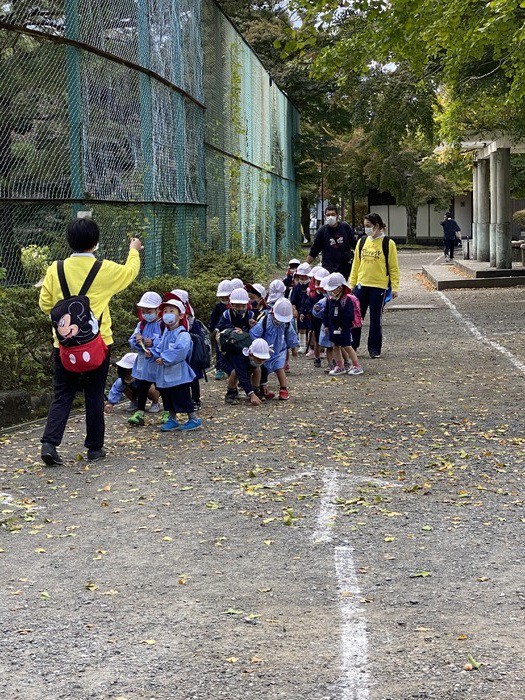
(411, 224)
(305, 218)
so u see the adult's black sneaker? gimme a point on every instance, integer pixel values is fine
(50, 456)
(94, 455)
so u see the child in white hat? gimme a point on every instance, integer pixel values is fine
(174, 374)
(315, 295)
(146, 333)
(257, 294)
(126, 385)
(301, 303)
(276, 290)
(288, 281)
(277, 329)
(238, 316)
(224, 290)
(339, 317)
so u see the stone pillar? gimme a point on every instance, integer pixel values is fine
(483, 238)
(493, 208)
(503, 227)
(474, 211)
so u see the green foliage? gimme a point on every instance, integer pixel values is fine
(25, 350)
(35, 261)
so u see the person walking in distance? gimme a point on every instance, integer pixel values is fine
(451, 233)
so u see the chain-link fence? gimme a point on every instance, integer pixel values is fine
(153, 114)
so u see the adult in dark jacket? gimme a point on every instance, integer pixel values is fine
(335, 241)
(450, 235)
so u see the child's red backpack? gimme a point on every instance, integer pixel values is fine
(358, 319)
(81, 346)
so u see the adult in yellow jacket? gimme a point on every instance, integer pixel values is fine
(83, 236)
(369, 280)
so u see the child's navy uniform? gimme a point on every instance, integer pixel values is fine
(300, 299)
(237, 361)
(338, 318)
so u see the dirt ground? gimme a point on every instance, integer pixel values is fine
(358, 542)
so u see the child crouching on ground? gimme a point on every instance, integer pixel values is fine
(339, 317)
(278, 331)
(174, 375)
(126, 385)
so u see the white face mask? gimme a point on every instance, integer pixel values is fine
(369, 230)
(331, 220)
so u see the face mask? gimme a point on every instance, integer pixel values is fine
(369, 230)
(331, 220)
(254, 363)
(303, 284)
(169, 318)
(149, 317)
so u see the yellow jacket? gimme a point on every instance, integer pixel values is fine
(369, 269)
(111, 279)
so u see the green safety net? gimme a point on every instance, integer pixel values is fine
(155, 116)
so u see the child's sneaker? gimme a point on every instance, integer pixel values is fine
(137, 419)
(219, 374)
(231, 396)
(267, 394)
(154, 408)
(336, 371)
(330, 366)
(283, 394)
(170, 424)
(197, 405)
(191, 424)
(132, 406)
(348, 365)
(356, 369)
(301, 349)
(165, 417)
(310, 353)
(317, 362)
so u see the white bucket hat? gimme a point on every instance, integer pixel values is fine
(236, 283)
(177, 304)
(150, 300)
(304, 269)
(224, 288)
(276, 291)
(314, 270)
(260, 349)
(260, 288)
(333, 281)
(128, 360)
(283, 310)
(182, 294)
(320, 273)
(239, 296)
(294, 261)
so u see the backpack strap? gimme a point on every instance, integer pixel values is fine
(89, 279)
(264, 323)
(62, 279)
(386, 249)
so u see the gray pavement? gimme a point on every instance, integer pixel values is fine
(358, 542)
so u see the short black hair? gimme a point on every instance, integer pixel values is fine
(331, 207)
(82, 235)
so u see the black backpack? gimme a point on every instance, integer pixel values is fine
(200, 358)
(231, 342)
(82, 348)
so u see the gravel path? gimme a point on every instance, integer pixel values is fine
(358, 542)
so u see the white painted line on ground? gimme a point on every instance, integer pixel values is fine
(327, 508)
(438, 258)
(354, 642)
(479, 335)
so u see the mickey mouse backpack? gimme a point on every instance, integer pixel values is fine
(81, 346)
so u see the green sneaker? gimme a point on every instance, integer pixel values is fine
(165, 417)
(137, 418)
